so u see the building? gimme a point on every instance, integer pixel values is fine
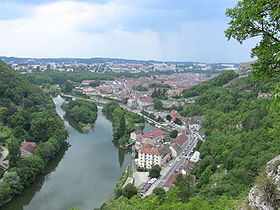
(27, 149)
(87, 82)
(145, 101)
(149, 156)
(135, 134)
(195, 157)
(153, 136)
(180, 143)
(173, 112)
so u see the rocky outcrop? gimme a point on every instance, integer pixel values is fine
(266, 194)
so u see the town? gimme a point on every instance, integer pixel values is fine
(155, 97)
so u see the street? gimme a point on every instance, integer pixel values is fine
(176, 163)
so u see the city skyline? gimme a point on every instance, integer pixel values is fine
(140, 30)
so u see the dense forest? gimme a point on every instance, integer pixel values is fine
(242, 134)
(124, 122)
(26, 114)
(81, 111)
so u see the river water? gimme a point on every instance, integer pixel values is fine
(83, 175)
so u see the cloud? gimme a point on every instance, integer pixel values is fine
(118, 28)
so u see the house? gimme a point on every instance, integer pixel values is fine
(195, 157)
(27, 149)
(173, 113)
(135, 134)
(180, 142)
(153, 136)
(145, 101)
(138, 142)
(149, 155)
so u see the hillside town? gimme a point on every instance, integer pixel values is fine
(173, 156)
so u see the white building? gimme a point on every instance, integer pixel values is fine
(135, 134)
(149, 156)
(195, 157)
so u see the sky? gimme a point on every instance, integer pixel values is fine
(165, 30)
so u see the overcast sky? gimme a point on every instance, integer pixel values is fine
(174, 30)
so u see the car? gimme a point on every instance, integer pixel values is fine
(177, 160)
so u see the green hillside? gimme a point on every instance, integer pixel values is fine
(242, 134)
(26, 114)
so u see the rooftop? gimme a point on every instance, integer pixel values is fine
(154, 133)
(28, 146)
(149, 151)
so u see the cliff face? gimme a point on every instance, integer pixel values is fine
(266, 194)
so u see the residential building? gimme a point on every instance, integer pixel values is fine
(180, 143)
(195, 157)
(149, 156)
(135, 134)
(153, 136)
(27, 149)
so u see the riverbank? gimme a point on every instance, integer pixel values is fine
(91, 166)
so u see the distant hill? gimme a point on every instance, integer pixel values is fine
(10, 60)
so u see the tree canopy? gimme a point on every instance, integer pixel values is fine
(26, 114)
(255, 18)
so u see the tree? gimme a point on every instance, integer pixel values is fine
(67, 87)
(129, 191)
(178, 121)
(5, 192)
(121, 128)
(14, 181)
(14, 151)
(169, 117)
(157, 104)
(160, 192)
(1, 171)
(173, 134)
(95, 83)
(3, 111)
(255, 18)
(155, 171)
(185, 186)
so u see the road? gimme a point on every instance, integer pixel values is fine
(4, 154)
(176, 163)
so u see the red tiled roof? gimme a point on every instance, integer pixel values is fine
(138, 132)
(181, 139)
(146, 99)
(28, 146)
(139, 139)
(173, 112)
(149, 150)
(153, 134)
(149, 146)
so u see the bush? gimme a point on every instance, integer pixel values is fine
(129, 191)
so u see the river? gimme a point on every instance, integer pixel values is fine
(84, 175)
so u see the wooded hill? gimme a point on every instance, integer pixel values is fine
(26, 114)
